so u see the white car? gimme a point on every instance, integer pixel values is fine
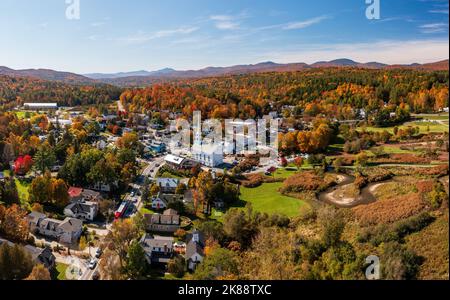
(92, 264)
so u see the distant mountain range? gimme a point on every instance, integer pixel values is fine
(50, 75)
(146, 77)
(162, 72)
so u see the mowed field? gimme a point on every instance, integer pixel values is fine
(267, 199)
(430, 123)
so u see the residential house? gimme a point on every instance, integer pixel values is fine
(169, 221)
(75, 194)
(80, 194)
(158, 249)
(83, 210)
(167, 185)
(195, 249)
(67, 231)
(90, 195)
(42, 256)
(163, 200)
(102, 187)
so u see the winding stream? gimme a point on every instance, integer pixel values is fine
(335, 195)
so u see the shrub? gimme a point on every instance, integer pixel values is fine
(177, 266)
(307, 181)
(389, 210)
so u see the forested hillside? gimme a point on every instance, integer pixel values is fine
(331, 91)
(14, 91)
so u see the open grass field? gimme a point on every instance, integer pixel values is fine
(284, 173)
(267, 199)
(440, 117)
(396, 150)
(423, 127)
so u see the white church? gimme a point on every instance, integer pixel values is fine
(207, 154)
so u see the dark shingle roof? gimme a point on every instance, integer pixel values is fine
(192, 248)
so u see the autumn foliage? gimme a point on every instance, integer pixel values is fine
(23, 165)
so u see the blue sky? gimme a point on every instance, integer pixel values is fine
(116, 35)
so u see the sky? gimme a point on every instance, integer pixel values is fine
(120, 36)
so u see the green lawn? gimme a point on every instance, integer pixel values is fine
(397, 150)
(441, 117)
(60, 271)
(285, 172)
(22, 187)
(423, 126)
(266, 198)
(22, 115)
(146, 210)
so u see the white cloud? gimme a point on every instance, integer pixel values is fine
(304, 24)
(142, 37)
(434, 27)
(228, 22)
(389, 52)
(439, 11)
(98, 24)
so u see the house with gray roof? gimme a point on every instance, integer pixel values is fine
(195, 249)
(67, 231)
(169, 221)
(84, 210)
(42, 256)
(167, 185)
(163, 200)
(158, 249)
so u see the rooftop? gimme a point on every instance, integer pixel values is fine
(174, 159)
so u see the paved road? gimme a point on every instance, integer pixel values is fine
(150, 171)
(120, 107)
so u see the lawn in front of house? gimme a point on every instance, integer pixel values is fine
(59, 273)
(267, 199)
(146, 210)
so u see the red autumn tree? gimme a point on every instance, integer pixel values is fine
(23, 164)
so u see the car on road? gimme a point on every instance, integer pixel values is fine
(96, 276)
(98, 253)
(92, 264)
